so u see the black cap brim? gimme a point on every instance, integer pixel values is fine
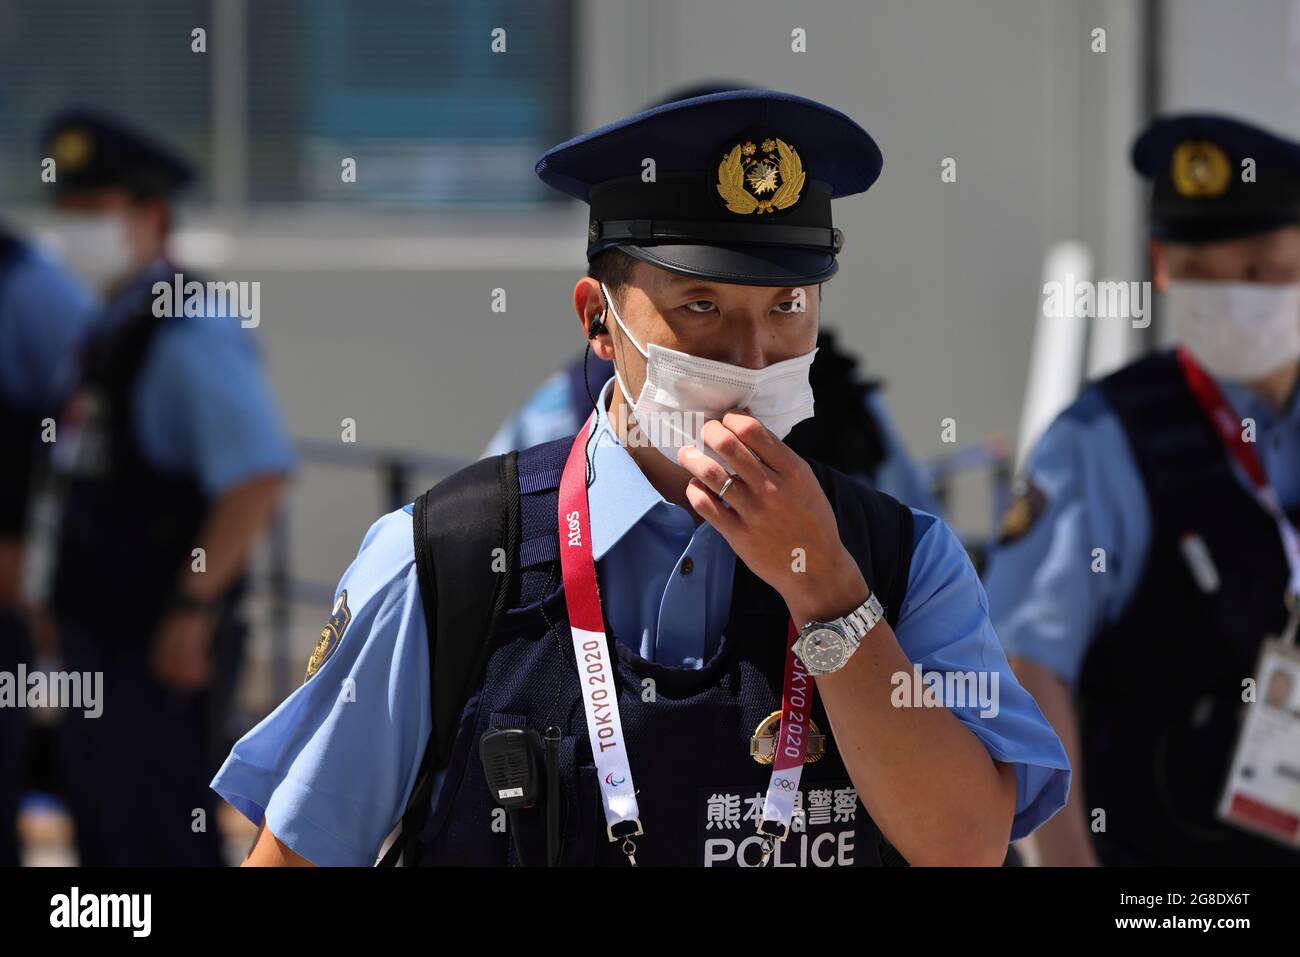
(744, 265)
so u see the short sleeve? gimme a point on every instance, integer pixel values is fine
(44, 311)
(944, 627)
(1071, 557)
(332, 767)
(205, 407)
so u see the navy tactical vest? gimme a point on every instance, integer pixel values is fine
(688, 731)
(19, 428)
(1160, 691)
(127, 528)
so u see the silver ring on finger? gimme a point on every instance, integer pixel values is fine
(726, 486)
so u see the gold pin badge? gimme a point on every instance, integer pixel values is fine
(762, 746)
(1200, 170)
(760, 177)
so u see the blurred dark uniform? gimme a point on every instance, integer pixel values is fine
(43, 309)
(167, 413)
(1157, 643)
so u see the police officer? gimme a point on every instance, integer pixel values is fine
(1142, 562)
(698, 734)
(167, 463)
(43, 310)
(854, 432)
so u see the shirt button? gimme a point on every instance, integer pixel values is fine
(688, 565)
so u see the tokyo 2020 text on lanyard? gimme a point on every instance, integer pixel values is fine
(597, 670)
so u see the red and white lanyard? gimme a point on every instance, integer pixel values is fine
(597, 667)
(1228, 426)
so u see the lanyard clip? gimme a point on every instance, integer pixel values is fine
(631, 827)
(772, 832)
(627, 830)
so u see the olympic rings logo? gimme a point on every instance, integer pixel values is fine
(785, 784)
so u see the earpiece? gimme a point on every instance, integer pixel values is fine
(597, 326)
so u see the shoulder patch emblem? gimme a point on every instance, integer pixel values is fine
(1027, 504)
(330, 635)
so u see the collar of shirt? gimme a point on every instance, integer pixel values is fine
(665, 582)
(1246, 404)
(125, 303)
(1277, 439)
(620, 495)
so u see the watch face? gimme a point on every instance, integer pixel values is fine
(824, 649)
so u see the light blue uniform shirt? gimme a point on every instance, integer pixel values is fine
(1046, 601)
(549, 414)
(202, 402)
(44, 310)
(332, 767)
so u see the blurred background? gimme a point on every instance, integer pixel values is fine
(377, 295)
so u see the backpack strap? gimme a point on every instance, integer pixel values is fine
(457, 527)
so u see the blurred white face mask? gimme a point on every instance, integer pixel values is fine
(94, 246)
(1238, 331)
(683, 391)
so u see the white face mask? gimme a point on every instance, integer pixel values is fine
(94, 246)
(683, 391)
(1238, 331)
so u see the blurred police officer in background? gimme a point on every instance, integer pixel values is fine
(852, 432)
(168, 461)
(693, 511)
(1144, 560)
(43, 310)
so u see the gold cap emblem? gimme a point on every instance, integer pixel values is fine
(72, 148)
(1200, 169)
(760, 177)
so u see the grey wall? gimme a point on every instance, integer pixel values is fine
(1232, 57)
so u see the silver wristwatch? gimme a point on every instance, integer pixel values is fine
(826, 646)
